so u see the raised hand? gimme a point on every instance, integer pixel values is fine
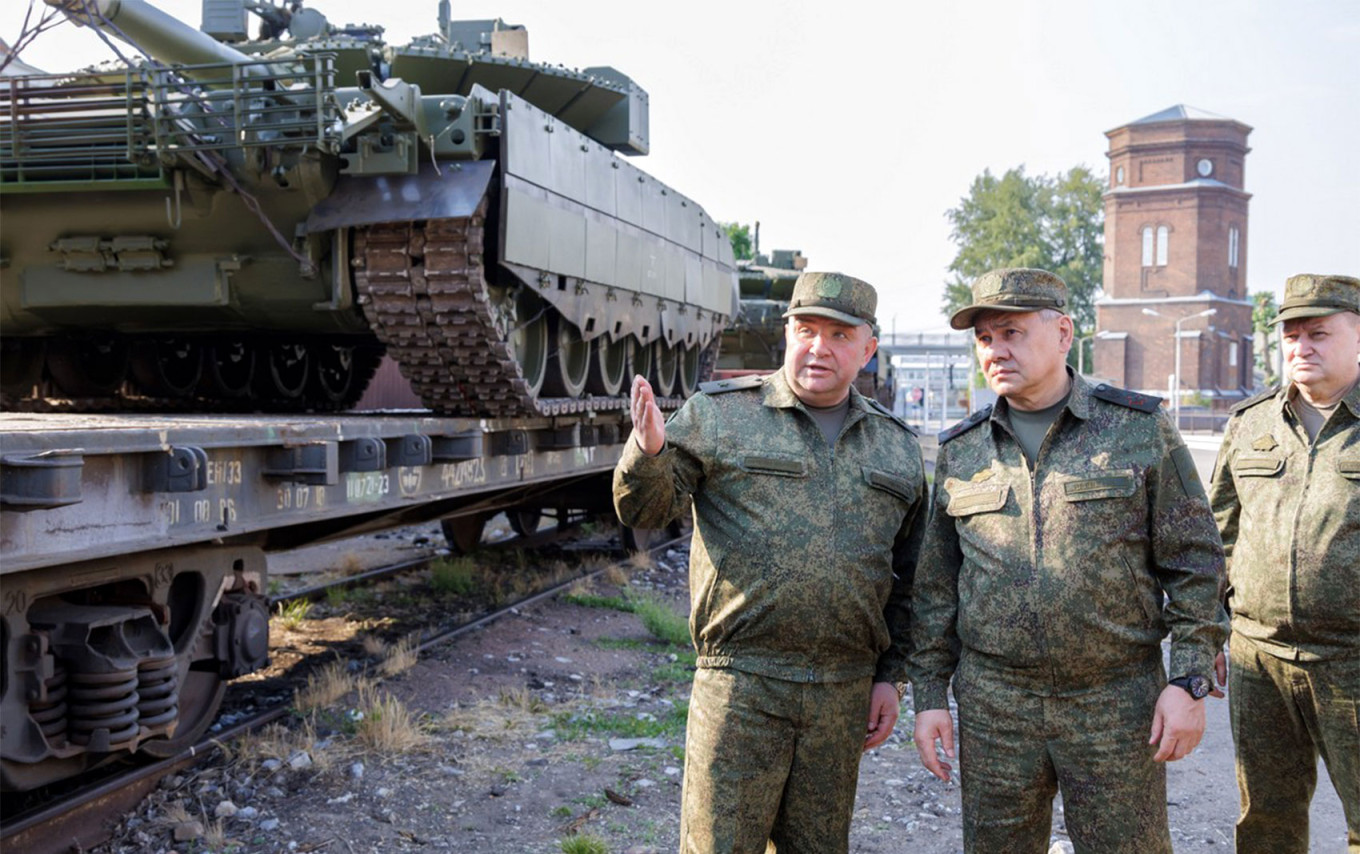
(649, 430)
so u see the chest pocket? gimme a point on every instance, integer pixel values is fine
(1258, 465)
(1117, 484)
(898, 487)
(779, 466)
(967, 499)
(1349, 467)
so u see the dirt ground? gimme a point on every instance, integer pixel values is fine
(563, 726)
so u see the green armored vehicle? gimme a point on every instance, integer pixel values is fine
(251, 224)
(754, 343)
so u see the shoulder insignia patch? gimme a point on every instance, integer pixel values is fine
(1124, 397)
(885, 411)
(734, 384)
(1252, 401)
(966, 424)
(1264, 442)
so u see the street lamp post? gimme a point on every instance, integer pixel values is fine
(1081, 352)
(1176, 377)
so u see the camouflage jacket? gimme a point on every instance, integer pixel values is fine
(1056, 577)
(803, 554)
(1289, 513)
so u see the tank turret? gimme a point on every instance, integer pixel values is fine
(252, 224)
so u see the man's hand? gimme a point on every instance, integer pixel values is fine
(649, 430)
(1221, 672)
(1177, 723)
(935, 725)
(883, 707)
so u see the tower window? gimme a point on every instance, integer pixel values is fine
(1147, 246)
(1162, 234)
(1233, 242)
(1232, 354)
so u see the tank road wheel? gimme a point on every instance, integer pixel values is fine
(167, 367)
(524, 520)
(21, 363)
(283, 376)
(200, 695)
(641, 360)
(463, 533)
(89, 367)
(608, 367)
(569, 365)
(689, 370)
(667, 368)
(522, 320)
(229, 368)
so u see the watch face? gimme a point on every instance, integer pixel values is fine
(1205, 167)
(1199, 687)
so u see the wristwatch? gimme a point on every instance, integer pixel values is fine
(1196, 686)
(901, 689)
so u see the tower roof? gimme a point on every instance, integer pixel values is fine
(1181, 112)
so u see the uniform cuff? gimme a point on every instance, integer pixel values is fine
(929, 695)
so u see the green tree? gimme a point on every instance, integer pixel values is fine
(740, 235)
(1266, 343)
(1055, 223)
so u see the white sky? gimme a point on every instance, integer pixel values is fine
(849, 128)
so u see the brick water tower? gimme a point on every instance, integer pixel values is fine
(1176, 258)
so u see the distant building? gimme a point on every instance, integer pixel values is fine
(1175, 247)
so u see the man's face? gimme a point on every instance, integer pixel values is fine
(1022, 353)
(1320, 352)
(822, 357)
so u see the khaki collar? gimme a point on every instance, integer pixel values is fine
(1078, 401)
(779, 394)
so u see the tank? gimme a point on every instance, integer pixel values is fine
(238, 223)
(754, 343)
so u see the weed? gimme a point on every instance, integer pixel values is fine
(572, 727)
(291, 614)
(214, 835)
(563, 811)
(584, 845)
(614, 574)
(681, 670)
(350, 564)
(401, 657)
(324, 687)
(621, 643)
(678, 752)
(591, 801)
(274, 587)
(523, 700)
(591, 600)
(374, 646)
(387, 726)
(664, 624)
(453, 575)
(641, 560)
(337, 596)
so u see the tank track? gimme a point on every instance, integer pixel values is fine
(422, 286)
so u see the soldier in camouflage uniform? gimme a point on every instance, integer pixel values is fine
(1286, 495)
(806, 499)
(1059, 519)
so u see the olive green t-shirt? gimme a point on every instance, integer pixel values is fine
(830, 418)
(1032, 426)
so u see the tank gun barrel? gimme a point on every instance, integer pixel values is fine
(160, 35)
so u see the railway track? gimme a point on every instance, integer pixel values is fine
(85, 815)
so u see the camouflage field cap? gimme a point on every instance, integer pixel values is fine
(1012, 289)
(1309, 295)
(834, 295)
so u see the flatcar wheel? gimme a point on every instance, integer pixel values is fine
(200, 695)
(524, 321)
(608, 366)
(229, 368)
(285, 371)
(524, 521)
(641, 360)
(463, 533)
(21, 363)
(167, 367)
(332, 372)
(569, 364)
(689, 370)
(667, 369)
(89, 367)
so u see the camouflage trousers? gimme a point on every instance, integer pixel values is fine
(1284, 715)
(771, 764)
(1018, 748)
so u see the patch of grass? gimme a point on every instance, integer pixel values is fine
(337, 596)
(291, 614)
(680, 670)
(583, 845)
(591, 801)
(274, 587)
(522, 699)
(678, 751)
(632, 644)
(614, 574)
(401, 657)
(324, 687)
(350, 564)
(664, 624)
(387, 726)
(453, 575)
(563, 811)
(641, 560)
(591, 600)
(574, 726)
